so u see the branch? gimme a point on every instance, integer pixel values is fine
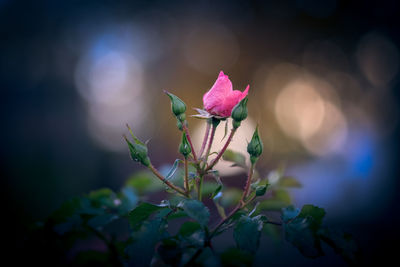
(248, 182)
(171, 185)
(215, 161)
(189, 140)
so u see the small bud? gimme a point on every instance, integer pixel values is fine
(184, 147)
(177, 105)
(255, 147)
(138, 150)
(260, 190)
(239, 112)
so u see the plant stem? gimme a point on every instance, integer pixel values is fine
(248, 182)
(162, 178)
(203, 146)
(214, 128)
(200, 188)
(190, 141)
(212, 164)
(241, 203)
(186, 178)
(222, 221)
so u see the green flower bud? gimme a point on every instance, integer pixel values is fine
(239, 112)
(184, 147)
(177, 105)
(138, 150)
(255, 147)
(260, 190)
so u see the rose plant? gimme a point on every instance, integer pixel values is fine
(178, 231)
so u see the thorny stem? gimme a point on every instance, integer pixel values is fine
(190, 141)
(212, 164)
(186, 178)
(203, 146)
(172, 186)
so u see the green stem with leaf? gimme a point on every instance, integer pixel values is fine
(186, 130)
(162, 178)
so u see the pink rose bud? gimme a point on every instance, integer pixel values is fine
(221, 98)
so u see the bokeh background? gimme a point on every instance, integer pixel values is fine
(323, 75)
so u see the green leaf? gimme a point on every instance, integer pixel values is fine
(209, 188)
(173, 169)
(102, 197)
(288, 181)
(144, 182)
(127, 201)
(316, 213)
(101, 220)
(300, 233)
(342, 243)
(260, 190)
(247, 233)
(237, 158)
(230, 197)
(225, 130)
(279, 200)
(236, 258)
(197, 211)
(142, 249)
(271, 205)
(302, 230)
(188, 228)
(216, 191)
(141, 213)
(289, 213)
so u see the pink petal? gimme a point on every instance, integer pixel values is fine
(221, 98)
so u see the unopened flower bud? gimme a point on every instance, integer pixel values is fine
(184, 147)
(255, 147)
(239, 112)
(177, 105)
(138, 150)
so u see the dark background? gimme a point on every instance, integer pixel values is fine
(72, 73)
